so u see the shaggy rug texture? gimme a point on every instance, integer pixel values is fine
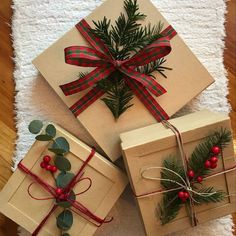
(38, 23)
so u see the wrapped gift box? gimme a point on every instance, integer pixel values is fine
(151, 145)
(181, 84)
(108, 182)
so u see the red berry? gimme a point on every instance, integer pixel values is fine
(48, 167)
(213, 165)
(207, 164)
(46, 159)
(42, 165)
(186, 195)
(199, 179)
(59, 191)
(53, 169)
(191, 174)
(216, 150)
(181, 195)
(213, 160)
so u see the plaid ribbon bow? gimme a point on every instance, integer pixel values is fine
(99, 56)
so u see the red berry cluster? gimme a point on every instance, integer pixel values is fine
(60, 194)
(191, 175)
(183, 196)
(45, 164)
(212, 162)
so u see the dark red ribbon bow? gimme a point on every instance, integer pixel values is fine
(99, 56)
(78, 208)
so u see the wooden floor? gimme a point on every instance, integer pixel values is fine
(7, 125)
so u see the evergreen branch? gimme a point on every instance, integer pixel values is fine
(175, 165)
(154, 66)
(202, 152)
(169, 207)
(118, 96)
(218, 195)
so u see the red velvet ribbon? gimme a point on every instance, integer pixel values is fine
(99, 56)
(78, 208)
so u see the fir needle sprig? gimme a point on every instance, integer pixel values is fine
(126, 37)
(201, 163)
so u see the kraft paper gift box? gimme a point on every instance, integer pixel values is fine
(108, 182)
(181, 84)
(150, 146)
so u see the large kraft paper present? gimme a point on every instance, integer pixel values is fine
(27, 202)
(148, 147)
(185, 81)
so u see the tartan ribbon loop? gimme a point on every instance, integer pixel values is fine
(99, 57)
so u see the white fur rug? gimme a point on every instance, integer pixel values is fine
(38, 23)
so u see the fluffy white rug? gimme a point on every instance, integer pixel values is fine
(38, 23)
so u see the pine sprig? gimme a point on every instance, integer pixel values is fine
(169, 207)
(218, 195)
(126, 37)
(154, 66)
(202, 152)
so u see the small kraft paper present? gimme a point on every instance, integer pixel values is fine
(62, 186)
(182, 171)
(120, 68)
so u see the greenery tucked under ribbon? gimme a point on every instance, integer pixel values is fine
(124, 39)
(201, 163)
(60, 147)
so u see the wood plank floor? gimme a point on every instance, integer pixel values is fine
(7, 125)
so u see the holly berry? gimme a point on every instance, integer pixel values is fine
(216, 150)
(213, 160)
(207, 164)
(59, 191)
(53, 169)
(43, 165)
(199, 179)
(186, 195)
(213, 165)
(191, 174)
(46, 159)
(48, 167)
(181, 195)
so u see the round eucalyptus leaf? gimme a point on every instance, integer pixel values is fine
(62, 163)
(43, 137)
(65, 220)
(63, 179)
(66, 204)
(51, 130)
(61, 143)
(56, 150)
(35, 126)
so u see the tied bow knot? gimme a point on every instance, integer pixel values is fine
(98, 56)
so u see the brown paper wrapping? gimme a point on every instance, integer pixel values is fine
(187, 79)
(108, 182)
(151, 145)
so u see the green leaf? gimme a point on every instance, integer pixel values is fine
(43, 137)
(63, 179)
(61, 143)
(62, 163)
(35, 126)
(66, 204)
(65, 220)
(57, 151)
(66, 234)
(51, 130)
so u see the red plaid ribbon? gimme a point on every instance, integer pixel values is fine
(99, 56)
